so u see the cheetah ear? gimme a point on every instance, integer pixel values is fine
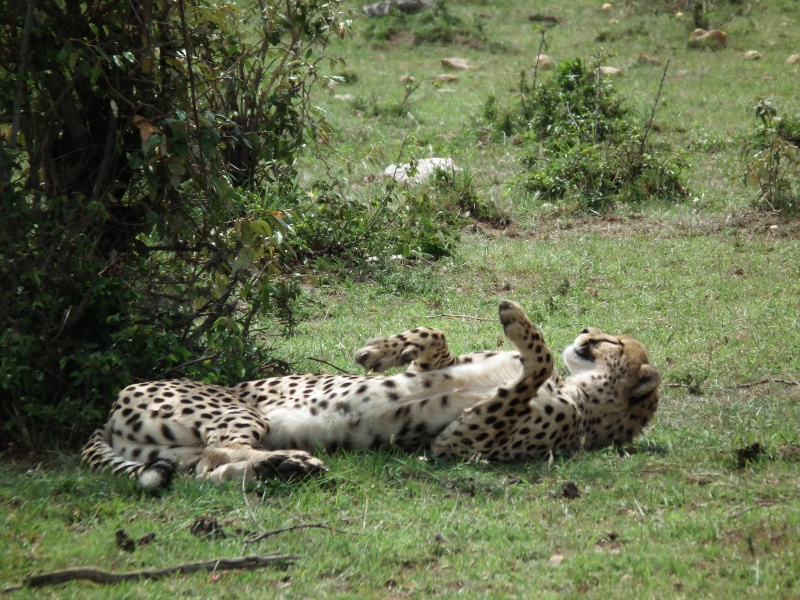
(649, 380)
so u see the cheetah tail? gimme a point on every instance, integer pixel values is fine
(98, 454)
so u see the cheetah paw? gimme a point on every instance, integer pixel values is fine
(292, 464)
(381, 354)
(516, 324)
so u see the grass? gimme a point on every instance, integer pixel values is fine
(711, 286)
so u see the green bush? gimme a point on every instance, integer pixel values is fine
(579, 145)
(771, 155)
(434, 26)
(143, 179)
(410, 223)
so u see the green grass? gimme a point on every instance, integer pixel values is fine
(710, 286)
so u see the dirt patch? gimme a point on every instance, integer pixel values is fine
(789, 452)
(207, 527)
(759, 539)
(557, 226)
(747, 455)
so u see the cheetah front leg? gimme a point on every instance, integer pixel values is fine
(509, 425)
(422, 349)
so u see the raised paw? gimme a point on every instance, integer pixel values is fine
(516, 324)
(535, 356)
(291, 464)
(423, 348)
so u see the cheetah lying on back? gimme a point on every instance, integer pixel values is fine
(501, 406)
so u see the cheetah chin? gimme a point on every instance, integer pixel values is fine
(500, 406)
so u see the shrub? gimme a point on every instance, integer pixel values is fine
(772, 159)
(434, 26)
(143, 179)
(579, 144)
(407, 222)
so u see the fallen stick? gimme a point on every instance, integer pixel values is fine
(766, 381)
(105, 577)
(448, 316)
(268, 534)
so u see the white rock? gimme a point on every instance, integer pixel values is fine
(424, 168)
(460, 64)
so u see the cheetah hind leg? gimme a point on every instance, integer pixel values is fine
(231, 464)
(423, 349)
(491, 427)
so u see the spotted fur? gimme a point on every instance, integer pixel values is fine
(501, 406)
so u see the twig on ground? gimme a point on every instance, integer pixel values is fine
(268, 534)
(332, 366)
(448, 316)
(106, 577)
(766, 381)
(749, 384)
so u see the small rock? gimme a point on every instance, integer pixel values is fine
(544, 62)
(615, 72)
(459, 64)
(447, 77)
(606, 6)
(646, 59)
(753, 55)
(709, 39)
(404, 79)
(794, 59)
(555, 560)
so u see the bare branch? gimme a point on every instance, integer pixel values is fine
(767, 381)
(653, 111)
(106, 577)
(268, 534)
(447, 316)
(332, 366)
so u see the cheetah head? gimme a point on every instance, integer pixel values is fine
(620, 384)
(621, 362)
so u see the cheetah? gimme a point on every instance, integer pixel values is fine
(499, 406)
